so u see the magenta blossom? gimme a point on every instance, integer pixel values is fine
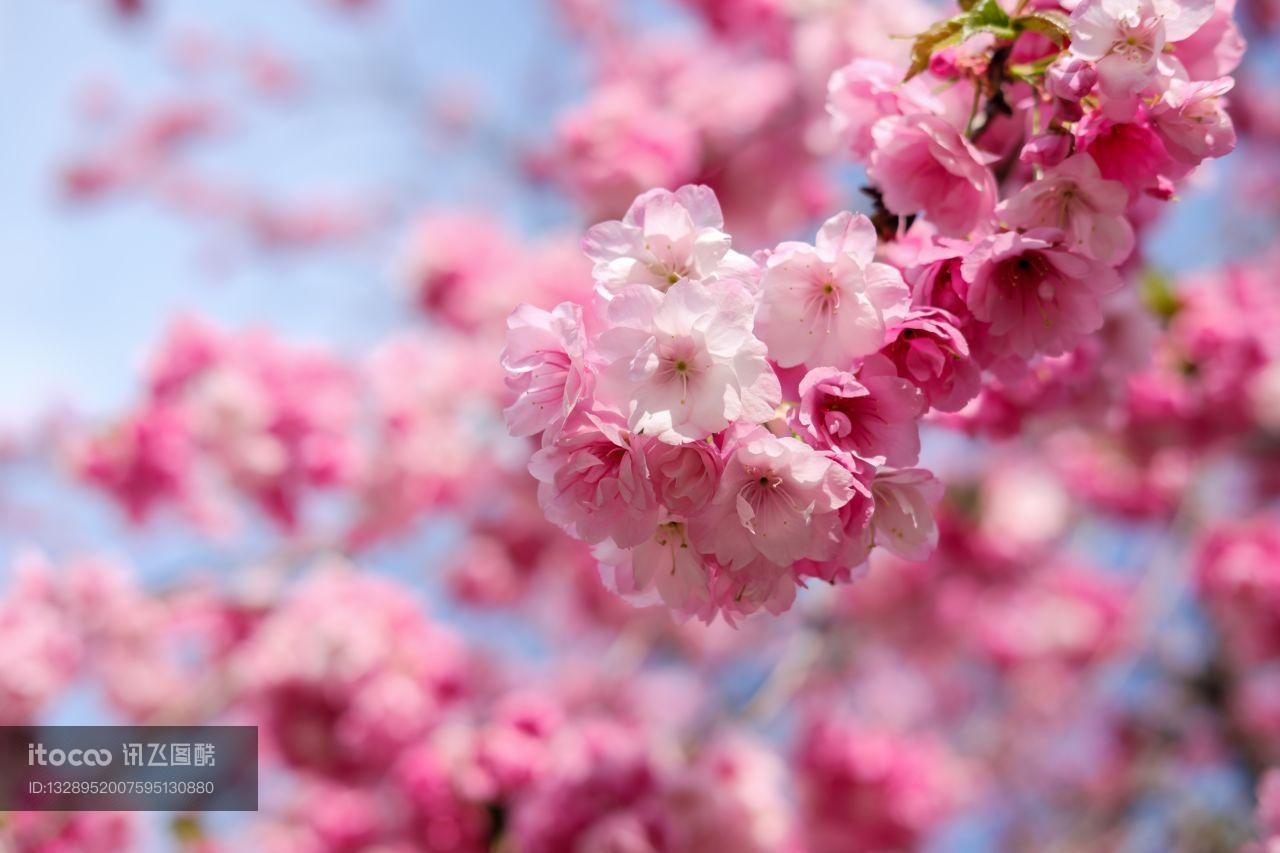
(1037, 295)
(928, 349)
(872, 415)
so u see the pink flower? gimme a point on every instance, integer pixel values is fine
(685, 476)
(342, 695)
(1074, 197)
(855, 528)
(1070, 78)
(867, 90)
(922, 163)
(1046, 150)
(1215, 49)
(1128, 152)
(777, 500)
(1192, 121)
(1037, 296)
(594, 482)
(545, 360)
(928, 349)
(1237, 572)
(826, 304)
(1126, 38)
(665, 563)
(143, 461)
(455, 265)
(1268, 814)
(685, 364)
(43, 645)
(873, 415)
(621, 142)
(903, 521)
(864, 788)
(665, 237)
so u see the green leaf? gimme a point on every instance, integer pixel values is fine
(940, 35)
(1050, 23)
(986, 15)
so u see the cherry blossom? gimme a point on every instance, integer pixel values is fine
(871, 414)
(685, 364)
(827, 303)
(1034, 292)
(1074, 198)
(1126, 39)
(777, 501)
(594, 481)
(922, 164)
(545, 359)
(665, 238)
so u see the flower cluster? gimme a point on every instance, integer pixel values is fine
(1030, 164)
(270, 420)
(721, 427)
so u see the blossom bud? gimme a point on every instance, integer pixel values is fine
(1070, 78)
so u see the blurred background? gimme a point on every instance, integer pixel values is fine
(252, 464)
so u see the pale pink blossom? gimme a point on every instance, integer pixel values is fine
(455, 266)
(827, 303)
(873, 414)
(620, 143)
(1036, 294)
(685, 476)
(667, 564)
(685, 364)
(665, 237)
(545, 359)
(777, 501)
(1126, 39)
(594, 482)
(903, 521)
(43, 644)
(1070, 78)
(867, 90)
(1268, 812)
(921, 163)
(1192, 121)
(346, 672)
(1215, 49)
(855, 528)
(1074, 197)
